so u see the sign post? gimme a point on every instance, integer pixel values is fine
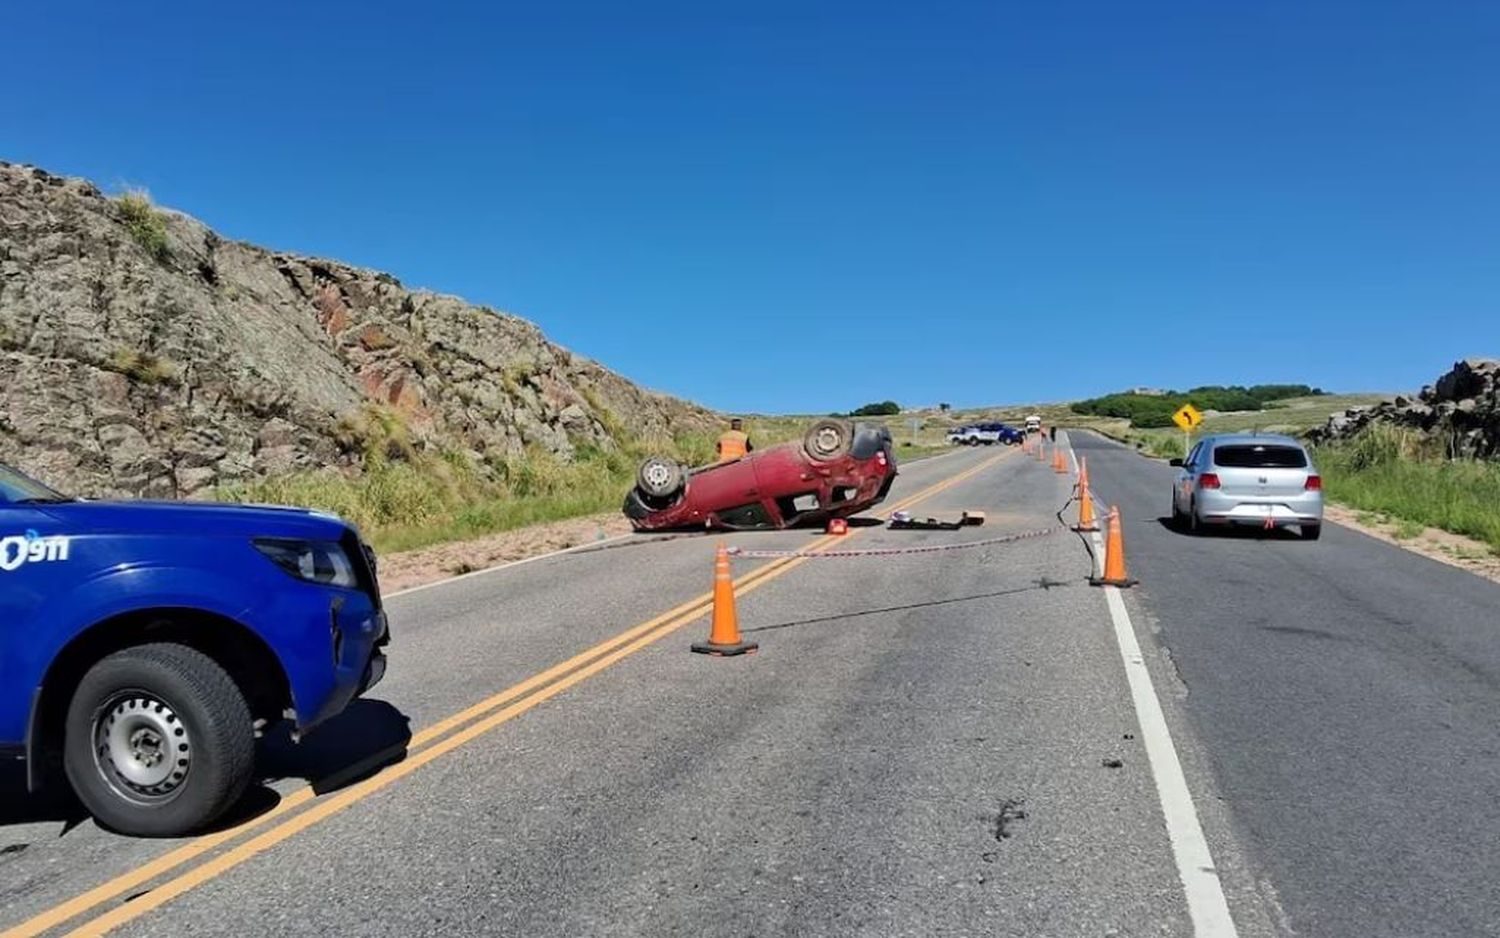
(1187, 417)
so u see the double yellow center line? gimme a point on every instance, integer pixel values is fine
(424, 747)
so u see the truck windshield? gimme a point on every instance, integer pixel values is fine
(16, 488)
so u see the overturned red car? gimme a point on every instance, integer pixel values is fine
(838, 469)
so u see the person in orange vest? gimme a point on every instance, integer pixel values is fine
(734, 443)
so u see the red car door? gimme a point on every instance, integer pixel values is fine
(722, 487)
(784, 476)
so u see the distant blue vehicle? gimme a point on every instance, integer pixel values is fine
(976, 434)
(1004, 433)
(1001, 432)
(143, 643)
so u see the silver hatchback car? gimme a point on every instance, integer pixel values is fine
(1253, 479)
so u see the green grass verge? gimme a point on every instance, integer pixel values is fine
(1394, 473)
(406, 500)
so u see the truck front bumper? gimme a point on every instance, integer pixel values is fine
(359, 632)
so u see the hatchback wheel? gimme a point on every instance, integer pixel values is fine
(1310, 532)
(659, 477)
(828, 439)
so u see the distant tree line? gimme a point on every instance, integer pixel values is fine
(879, 409)
(1155, 410)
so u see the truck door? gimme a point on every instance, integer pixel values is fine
(31, 551)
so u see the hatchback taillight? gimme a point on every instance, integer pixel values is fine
(1208, 480)
(1313, 484)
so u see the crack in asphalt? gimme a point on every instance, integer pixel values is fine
(1011, 810)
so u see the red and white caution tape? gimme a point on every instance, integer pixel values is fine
(888, 551)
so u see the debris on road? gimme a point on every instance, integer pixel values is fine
(903, 521)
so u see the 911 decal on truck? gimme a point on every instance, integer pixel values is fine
(143, 643)
(30, 548)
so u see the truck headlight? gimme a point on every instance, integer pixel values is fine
(314, 561)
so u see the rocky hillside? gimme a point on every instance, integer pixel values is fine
(144, 355)
(1461, 411)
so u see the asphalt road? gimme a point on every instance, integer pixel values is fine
(1347, 695)
(925, 744)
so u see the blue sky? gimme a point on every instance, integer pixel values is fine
(804, 207)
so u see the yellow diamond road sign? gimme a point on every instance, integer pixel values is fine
(1187, 417)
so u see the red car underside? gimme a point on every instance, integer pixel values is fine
(775, 488)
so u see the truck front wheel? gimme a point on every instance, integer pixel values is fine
(158, 741)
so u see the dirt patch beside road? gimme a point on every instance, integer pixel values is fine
(1443, 546)
(403, 570)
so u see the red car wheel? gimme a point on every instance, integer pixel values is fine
(828, 439)
(659, 477)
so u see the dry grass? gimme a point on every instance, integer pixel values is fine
(144, 367)
(145, 224)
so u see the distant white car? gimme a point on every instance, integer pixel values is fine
(1034, 423)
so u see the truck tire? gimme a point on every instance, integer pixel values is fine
(659, 477)
(158, 741)
(828, 439)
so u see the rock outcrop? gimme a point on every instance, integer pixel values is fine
(1462, 410)
(141, 354)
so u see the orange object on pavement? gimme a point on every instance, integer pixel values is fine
(1059, 461)
(724, 634)
(1086, 520)
(838, 526)
(1114, 555)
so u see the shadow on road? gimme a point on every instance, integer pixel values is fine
(368, 736)
(54, 803)
(1240, 531)
(1041, 584)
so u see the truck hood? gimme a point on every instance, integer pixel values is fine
(200, 519)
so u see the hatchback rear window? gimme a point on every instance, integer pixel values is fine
(1260, 457)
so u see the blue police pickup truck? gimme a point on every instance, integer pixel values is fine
(144, 645)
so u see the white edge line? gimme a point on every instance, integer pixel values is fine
(1207, 907)
(504, 566)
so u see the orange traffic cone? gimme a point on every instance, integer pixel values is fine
(1041, 451)
(1086, 520)
(1059, 461)
(1114, 555)
(724, 635)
